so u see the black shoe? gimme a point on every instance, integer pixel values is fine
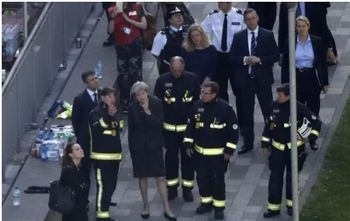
(108, 42)
(204, 208)
(270, 213)
(171, 218)
(245, 149)
(187, 195)
(219, 213)
(290, 211)
(314, 146)
(144, 215)
(172, 194)
(112, 204)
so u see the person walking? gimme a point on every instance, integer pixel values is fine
(145, 123)
(210, 140)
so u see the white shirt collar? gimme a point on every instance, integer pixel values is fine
(175, 29)
(256, 30)
(307, 40)
(90, 92)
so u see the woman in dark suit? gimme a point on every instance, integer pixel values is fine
(73, 177)
(311, 67)
(145, 123)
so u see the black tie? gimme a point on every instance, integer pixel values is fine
(224, 35)
(252, 53)
(298, 10)
(95, 98)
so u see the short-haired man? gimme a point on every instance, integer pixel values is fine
(210, 140)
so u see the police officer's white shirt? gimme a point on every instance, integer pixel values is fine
(160, 41)
(213, 26)
(92, 94)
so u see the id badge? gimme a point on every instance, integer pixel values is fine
(127, 30)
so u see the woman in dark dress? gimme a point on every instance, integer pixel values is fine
(145, 123)
(73, 177)
(199, 54)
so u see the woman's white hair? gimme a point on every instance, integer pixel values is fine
(139, 86)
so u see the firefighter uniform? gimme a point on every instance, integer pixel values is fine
(178, 96)
(167, 44)
(211, 131)
(276, 135)
(106, 155)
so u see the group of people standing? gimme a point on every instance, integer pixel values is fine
(188, 113)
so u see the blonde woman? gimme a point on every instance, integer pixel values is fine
(199, 54)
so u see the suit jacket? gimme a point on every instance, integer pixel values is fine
(145, 131)
(316, 12)
(82, 105)
(319, 63)
(267, 13)
(266, 50)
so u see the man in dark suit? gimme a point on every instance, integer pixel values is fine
(316, 12)
(82, 105)
(253, 53)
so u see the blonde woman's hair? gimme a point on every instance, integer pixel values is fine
(303, 19)
(188, 43)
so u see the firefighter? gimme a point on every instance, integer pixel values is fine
(276, 144)
(178, 89)
(105, 149)
(210, 140)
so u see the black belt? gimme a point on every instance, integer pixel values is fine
(304, 69)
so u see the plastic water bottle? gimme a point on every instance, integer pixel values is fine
(98, 69)
(43, 152)
(16, 196)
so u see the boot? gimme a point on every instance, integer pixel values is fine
(219, 213)
(187, 195)
(204, 208)
(270, 213)
(172, 193)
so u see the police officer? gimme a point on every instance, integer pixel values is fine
(105, 150)
(277, 145)
(178, 89)
(167, 42)
(221, 25)
(210, 139)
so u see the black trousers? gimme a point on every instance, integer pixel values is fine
(279, 161)
(308, 90)
(224, 72)
(85, 162)
(78, 214)
(210, 176)
(174, 145)
(129, 66)
(106, 182)
(246, 103)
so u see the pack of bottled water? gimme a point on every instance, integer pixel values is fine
(10, 35)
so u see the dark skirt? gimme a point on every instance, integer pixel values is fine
(148, 163)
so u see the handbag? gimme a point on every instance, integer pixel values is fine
(62, 198)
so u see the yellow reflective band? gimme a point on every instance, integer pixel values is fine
(281, 146)
(209, 151)
(102, 215)
(105, 156)
(107, 132)
(187, 183)
(265, 139)
(102, 123)
(172, 182)
(170, 100)
(199, 124)
(273, 207)
(289, 203)
(187, 99)
(121, 124)
(217, 126)
(175, 128)
(100, 189)
(188, 140)
(231, 145)
(207, 199)
(286, 125)
(218, 203)
(315, 132)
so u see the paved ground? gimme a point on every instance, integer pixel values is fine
(247, 178)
